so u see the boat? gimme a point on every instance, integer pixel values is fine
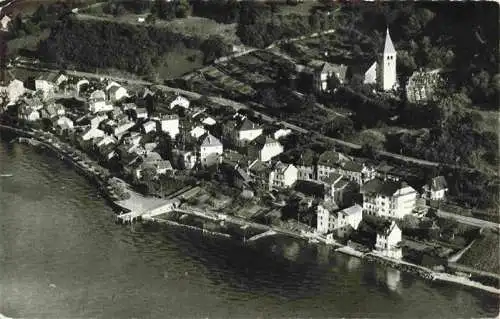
(6, 175)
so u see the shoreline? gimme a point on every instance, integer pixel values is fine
(87, 170)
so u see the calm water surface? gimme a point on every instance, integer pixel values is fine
(62, 256)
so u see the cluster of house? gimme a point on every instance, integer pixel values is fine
(122, 129)
(383, 196)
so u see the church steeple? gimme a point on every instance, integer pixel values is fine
(386, 67)
(388, 46)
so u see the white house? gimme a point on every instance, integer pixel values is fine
(281, 133)
(282, 176)
(30, 114)
(129, 106)
(170, 125)
(60, 110)
(97, 102)
(64, 123)
(96, 120)
(186, 159)
(388, 198)
(141, 113)
(116, 93)
(383, 72)
(149, 126)
(43, 85)
(210, 145)
(265, 148)
(436, 189)
(180, 101)
(100, 106)
(5, 23)
(247, 131)
(348, 217)
(209, 121)
(14, 89)
(325, 216)
(330, 219)
(388, 241)
(123, 127)
(92, 133)
(106, 140)
(197, 132)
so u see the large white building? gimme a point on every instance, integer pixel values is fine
(210, 145)
(265, 148)
(247, 132)
(282, 176)
(330, 220)
(390, 199)
(383, 71)
(388, 241)
(170, 125)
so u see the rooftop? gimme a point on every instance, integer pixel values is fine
(210, 140)
(387, 188)
(353, 166)
(331, 158)
(438, 183)
(248, 125)
(332, 178)
(353, 210)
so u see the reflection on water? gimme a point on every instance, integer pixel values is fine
(353, 263)
(393, 277)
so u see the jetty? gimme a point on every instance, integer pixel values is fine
(268, 233)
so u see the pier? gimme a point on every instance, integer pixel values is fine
(262, 235)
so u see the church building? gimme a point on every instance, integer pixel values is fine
(383, 71)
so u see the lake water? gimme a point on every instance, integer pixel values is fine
(62, 256)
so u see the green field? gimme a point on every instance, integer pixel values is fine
(29, 42)
(179, 62)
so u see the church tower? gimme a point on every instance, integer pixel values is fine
(386, 69)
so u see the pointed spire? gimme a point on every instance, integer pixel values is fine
(388, 46)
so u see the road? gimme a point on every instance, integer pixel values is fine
(469, 220)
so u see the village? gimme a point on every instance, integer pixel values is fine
(214, 158)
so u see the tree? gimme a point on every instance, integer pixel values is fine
(182, 9)
(214, 47)
(40, 14)
(165, 146)
(151, 19)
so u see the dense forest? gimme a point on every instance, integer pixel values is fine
(95, 44)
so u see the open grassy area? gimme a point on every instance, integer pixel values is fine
(193, 26)
(179, 62)
(303, 8)
(29, 42)
(484, 254)
(490, 120)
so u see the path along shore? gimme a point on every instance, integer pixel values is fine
(86, 167)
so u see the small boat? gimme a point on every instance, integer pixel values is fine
(6, 175)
